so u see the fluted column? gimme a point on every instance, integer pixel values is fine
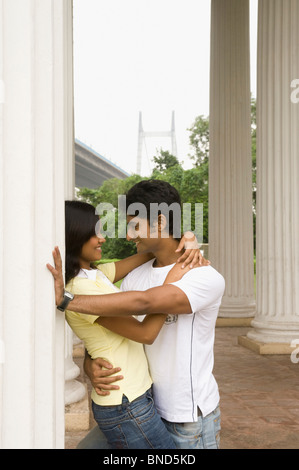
(2, 97)
(230, 167)
(73, 390)
(36, 130)
(277, 237)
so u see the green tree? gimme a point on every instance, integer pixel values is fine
(194, 190)
(109, 190)
(199, 140)
(165, 160)
(196, 182)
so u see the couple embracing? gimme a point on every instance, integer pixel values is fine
(157, 330)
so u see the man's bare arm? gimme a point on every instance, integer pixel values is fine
(167, 299)
(59, 281)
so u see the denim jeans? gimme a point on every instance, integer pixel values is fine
(133, 425)
(203, 434)
(95, 439)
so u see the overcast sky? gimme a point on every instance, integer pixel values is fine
(140, 55)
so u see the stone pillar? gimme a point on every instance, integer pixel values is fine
(277, 238)
(74, 390)
(230, 167)
(2, 344)
(36, 132)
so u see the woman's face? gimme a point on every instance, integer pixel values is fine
(91, 251)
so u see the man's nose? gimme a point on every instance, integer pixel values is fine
(130, 236)
(132, 233)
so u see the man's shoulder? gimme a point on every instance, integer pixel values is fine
(205, 277)
(141, 269)
(207, 272)
(136, 274)
(204, 288)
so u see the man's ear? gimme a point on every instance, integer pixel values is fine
(162, 223)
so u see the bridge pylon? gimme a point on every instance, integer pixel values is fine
(142, 135)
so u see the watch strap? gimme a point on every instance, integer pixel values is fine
(66, 300)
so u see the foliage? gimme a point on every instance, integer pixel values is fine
(165, 160)
(109, 190)
(199, 140)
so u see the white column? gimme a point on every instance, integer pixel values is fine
(2, 98)
(36, 135)
(230, 167)
(277, 237)
(73, 390)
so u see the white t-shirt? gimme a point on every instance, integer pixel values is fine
(181, 359)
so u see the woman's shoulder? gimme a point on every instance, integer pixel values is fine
(108, 269)
(82, 286)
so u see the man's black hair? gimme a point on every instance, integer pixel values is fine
(153, 191)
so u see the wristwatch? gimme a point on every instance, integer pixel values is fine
(67, 297)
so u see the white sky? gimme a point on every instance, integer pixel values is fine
(140, 55)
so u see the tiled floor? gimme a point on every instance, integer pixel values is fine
(259, 397)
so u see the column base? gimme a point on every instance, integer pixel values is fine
(272, 331)
(77, 415)
(237, 310)
(233, 322)
(265, 348)
(78, 350)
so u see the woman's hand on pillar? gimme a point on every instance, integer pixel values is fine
(57, 275)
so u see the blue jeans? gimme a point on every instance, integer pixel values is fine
(203, 434)
(95, 439)
(133, 425)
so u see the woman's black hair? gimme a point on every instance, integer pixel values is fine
(80, 226)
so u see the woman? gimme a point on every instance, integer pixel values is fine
(127, 416)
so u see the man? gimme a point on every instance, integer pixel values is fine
(181, 358)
